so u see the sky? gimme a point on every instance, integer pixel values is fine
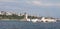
(33, 7)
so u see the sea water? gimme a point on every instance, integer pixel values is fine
(28, 25)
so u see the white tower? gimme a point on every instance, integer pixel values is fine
(26, 17)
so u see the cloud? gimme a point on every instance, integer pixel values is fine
(41, 3)
(51, 4)
(8, 1)
(34, 2)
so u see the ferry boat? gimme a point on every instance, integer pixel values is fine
(48, 20)
(41, 20)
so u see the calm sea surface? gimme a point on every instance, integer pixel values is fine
(28, 25)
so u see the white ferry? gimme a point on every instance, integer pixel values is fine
(48, 20)
(41, 20)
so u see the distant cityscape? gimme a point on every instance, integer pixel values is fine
(25, 17)
(10, 13)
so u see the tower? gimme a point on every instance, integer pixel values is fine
(25, 16)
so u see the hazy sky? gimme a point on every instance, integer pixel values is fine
(34, 7)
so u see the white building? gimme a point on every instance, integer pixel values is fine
(2, 13)
(8, 13)
(5, 13)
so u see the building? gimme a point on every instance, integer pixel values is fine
(3, 13)
(8, 13)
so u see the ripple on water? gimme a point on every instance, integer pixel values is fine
(27, 25)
